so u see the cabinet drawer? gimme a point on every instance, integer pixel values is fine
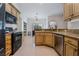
(71, 40)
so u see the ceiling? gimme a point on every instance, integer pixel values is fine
(40, 10)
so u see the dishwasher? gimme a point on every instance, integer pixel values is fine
(59, 44)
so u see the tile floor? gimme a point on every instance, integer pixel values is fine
(29, 49)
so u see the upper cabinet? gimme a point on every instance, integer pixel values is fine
(68, 10)
(75, 9)
(71, 10)
(8, 8)
(14, 11)
(11, 9)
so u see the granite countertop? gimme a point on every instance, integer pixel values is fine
(65, 33)
(44, 31)
(69, 34)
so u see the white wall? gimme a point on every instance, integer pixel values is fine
(43, 10)
(31, 21)
(29, 10)
(59, 19)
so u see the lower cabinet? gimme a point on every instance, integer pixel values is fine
(8, 49)
(70, 46)
(44, 38)
(49, 39)
(39, 38)
(70, 50)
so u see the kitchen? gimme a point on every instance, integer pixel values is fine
(35, 27)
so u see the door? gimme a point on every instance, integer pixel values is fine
(68, 9)
(48, 39)
(70, 50)
(39, 37)
(75, 9)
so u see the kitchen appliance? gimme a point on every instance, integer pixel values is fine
(6, 18)
(10, 18)
(2, 45)
(16, 41)
(2, 31)
(9, 29)
(59, 43)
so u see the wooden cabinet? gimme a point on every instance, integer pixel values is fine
(11, 9)
(70, 47)
(75, 9)
(14, 12)
(49, 39)
(70, 50)
(71, 10)
(68, 9)
(8, 8)
(72, 41)
(44, 38)
(8, 47)
(39, 38)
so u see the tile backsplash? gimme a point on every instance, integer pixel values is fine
(73, 24)
(75, 31)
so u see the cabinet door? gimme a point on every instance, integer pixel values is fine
(70, 50)
(8, 8)
(39, 38)
(75, 9)
(68, 10)
(8, 44)
(14, 12)
(48, 39)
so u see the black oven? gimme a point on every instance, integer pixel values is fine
(16, 41)
(2, 31)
